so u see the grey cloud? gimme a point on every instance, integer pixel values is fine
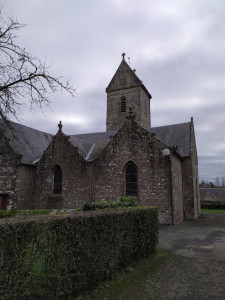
(177, 49)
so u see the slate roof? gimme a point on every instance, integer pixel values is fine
(28, 142)
(171, 135)
(96, 142)
(176, 134)
(31, 143)
(125, 78)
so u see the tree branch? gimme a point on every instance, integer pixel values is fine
(24, 79)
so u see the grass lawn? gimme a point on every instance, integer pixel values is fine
(130, 278)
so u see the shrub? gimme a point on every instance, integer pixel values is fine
(126, 202)
(122, 202)
(48, 257)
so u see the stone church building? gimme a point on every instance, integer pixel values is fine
(155, 165)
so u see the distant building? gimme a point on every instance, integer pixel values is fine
(155, 165)
(212, 197)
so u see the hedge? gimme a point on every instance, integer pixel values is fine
(121, 203)
(17, 212)
(52, 257)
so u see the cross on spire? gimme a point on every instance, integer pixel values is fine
(123, 55)
(60, 125)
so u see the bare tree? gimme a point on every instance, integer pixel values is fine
(25, 81)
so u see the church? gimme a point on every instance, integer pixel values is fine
(157, 166)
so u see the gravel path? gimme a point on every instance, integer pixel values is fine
(194, 270)
(181, 278)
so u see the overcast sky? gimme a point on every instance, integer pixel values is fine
(177, 48)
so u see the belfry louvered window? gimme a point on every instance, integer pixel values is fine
(123, 104)
(57, 184)
(131, 180)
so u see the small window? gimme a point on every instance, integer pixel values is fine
(57, 186)
(123, 104)
(131, 180)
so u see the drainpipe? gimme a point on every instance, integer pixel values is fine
(90, 183)
(31, 189)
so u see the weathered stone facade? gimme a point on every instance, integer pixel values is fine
(74, 180)
(8, 163)
(190, 180)
(157, 166)
(133, 144)
(126, 87)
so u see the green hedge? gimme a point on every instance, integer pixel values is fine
(122, 202)
(18, 212)
(51, 257)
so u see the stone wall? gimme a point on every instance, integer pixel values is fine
(15, 179)
(8, 163)
(194, 159)
(188, 188)
(104, 178)
(177, 192)
(190, 182)
(133, 143)
(136, 99)
(23, 186)
(75, 176)
(159, 179)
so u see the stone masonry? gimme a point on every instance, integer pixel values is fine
(41, 171)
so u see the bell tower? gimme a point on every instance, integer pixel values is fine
(126, 91)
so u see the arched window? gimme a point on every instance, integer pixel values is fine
(123, 104)
(131, 180)
(57, 185)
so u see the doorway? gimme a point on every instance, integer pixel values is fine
(4, 201)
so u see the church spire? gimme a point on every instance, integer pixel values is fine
(124, 91)
(125, 78)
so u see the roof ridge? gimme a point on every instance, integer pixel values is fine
(169, 125)
(98, 132)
